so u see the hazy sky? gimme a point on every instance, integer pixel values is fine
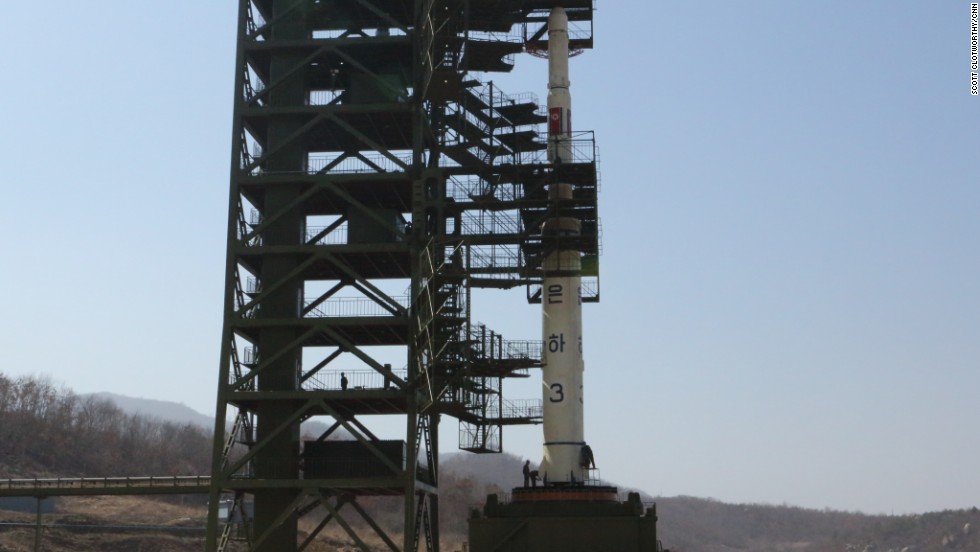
(790, 280)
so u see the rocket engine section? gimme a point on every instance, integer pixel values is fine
(562, 362)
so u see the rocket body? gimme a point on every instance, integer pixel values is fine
(562, 362)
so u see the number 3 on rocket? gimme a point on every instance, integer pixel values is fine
(559, 391)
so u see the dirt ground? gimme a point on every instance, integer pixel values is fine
(187, 521)
(178, 527)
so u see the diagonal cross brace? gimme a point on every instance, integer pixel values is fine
(253, 373)
(320, 300)
(267, 221)
(324, 500)
(383, 15)
(313, 371)
(352, 349)
(391, 305)
(339, 192)
(371, 144)
(299, 67)
(383, 301)
(364, 441)
(361, 67)
(281, 282)
(326, 231)
(296, 134)
(374, 525)
(280, 519)
(298, 414)
(279, 17)
(341, 501)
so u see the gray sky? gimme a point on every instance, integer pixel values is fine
(790, 280)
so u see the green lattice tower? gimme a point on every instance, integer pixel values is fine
(359, 141)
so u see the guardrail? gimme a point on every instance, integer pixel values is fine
(489, 222)
(353, 307)
(353, 165)
(331, 164)
(523, 408)
(177, 484)
(586, 487)
(356, 380)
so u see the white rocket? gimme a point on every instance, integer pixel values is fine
(562, 363)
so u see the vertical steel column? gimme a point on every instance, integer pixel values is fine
(434, 468)
(231, 282)
(279, 459)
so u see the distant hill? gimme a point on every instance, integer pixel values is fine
(167, 411)
(178, 413)
(689, 524)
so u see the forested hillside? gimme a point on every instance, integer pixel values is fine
(48, 431)
(692, 524)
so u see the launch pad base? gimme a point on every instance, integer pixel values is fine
(564, 519)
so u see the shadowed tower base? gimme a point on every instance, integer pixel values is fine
(575, 519)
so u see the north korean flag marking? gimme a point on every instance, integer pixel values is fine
(554, 121)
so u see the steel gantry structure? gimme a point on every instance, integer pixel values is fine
(375, 181)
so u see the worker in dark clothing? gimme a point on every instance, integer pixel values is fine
(586, 459)
(530, 476)
(343, 382)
